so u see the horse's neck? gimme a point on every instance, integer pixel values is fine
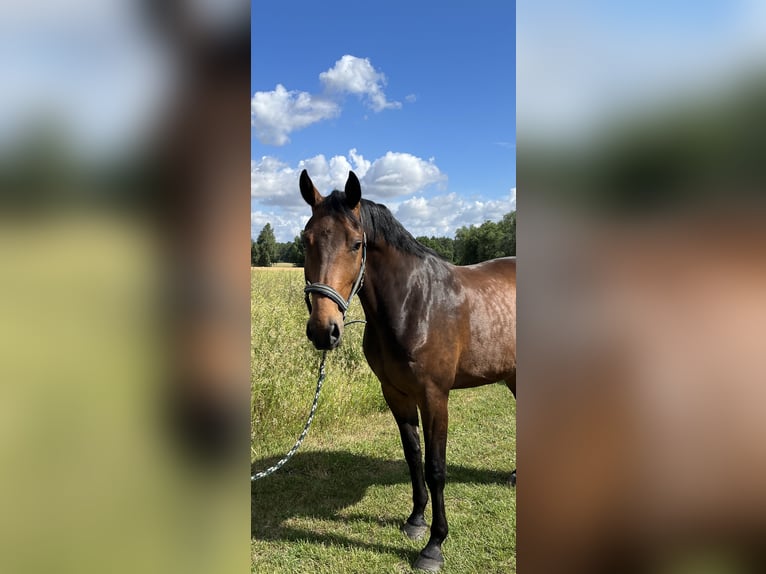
(387, 271)
(389, 277)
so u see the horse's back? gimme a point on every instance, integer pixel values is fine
(504, 266)
(493, 280)
(488, 348)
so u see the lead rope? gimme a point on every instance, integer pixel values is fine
(343, 304)
(296, 446)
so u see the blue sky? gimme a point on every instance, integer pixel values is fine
(418, 98)
(448, 157)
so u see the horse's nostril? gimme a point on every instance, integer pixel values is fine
(323, 336)
(334, 333)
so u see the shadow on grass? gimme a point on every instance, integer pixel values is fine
(321, 484)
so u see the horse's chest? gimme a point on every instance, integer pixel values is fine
(394, 360)
(413, 358)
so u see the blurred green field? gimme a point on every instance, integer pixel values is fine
(337, 505)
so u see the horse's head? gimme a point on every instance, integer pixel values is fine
(335, 247)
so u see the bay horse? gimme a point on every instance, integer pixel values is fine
(431, 327)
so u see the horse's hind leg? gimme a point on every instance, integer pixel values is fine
(511, 382)
(405, 413)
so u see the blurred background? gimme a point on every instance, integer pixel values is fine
(124, 286)
(124, 338)
(642, 286)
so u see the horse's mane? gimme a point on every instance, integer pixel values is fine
(380, 224)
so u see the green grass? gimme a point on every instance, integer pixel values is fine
(336, 507)
(284, 367)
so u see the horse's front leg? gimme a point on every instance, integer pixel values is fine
(405, 413)
(433, 408)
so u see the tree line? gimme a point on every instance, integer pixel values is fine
(471, 244)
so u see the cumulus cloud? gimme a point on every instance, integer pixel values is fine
(400, 180)
(439, 216)
(274, 183)
(443, 214)
(271, 180)
(277, 113)
(397, 174)
(354, 75)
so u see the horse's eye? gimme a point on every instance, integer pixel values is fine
(357, 246)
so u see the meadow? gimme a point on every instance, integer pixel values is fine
(336, 507)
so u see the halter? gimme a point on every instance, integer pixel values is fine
(327, 291)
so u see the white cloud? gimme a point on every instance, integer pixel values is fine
(443, 214)
(396, 174)
(274, 184)
(398, 179)
(361, 165)
(277, 113)
(333, 173)
(271, 180)
(354, 75)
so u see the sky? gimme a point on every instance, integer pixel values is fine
(581, 64)
(417, 98)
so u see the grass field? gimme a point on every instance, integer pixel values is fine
(336, 507)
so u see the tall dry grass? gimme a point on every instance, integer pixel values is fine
(284, 367)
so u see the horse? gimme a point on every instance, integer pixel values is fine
(431, 327)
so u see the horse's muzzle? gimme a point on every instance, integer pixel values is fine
(325, 337)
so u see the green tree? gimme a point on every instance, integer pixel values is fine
(490, 240)
(444, 246)
(284, 250)
(508, 229)
(267, 247)
(466, 245)
(295, 254)
(254, 252)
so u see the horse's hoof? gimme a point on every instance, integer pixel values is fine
(429, 564)
(414, 532)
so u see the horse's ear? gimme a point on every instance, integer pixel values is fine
(308, 191)
(353, 190)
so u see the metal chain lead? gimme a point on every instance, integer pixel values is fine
(296, 446)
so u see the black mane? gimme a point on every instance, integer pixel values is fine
(380, 224)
